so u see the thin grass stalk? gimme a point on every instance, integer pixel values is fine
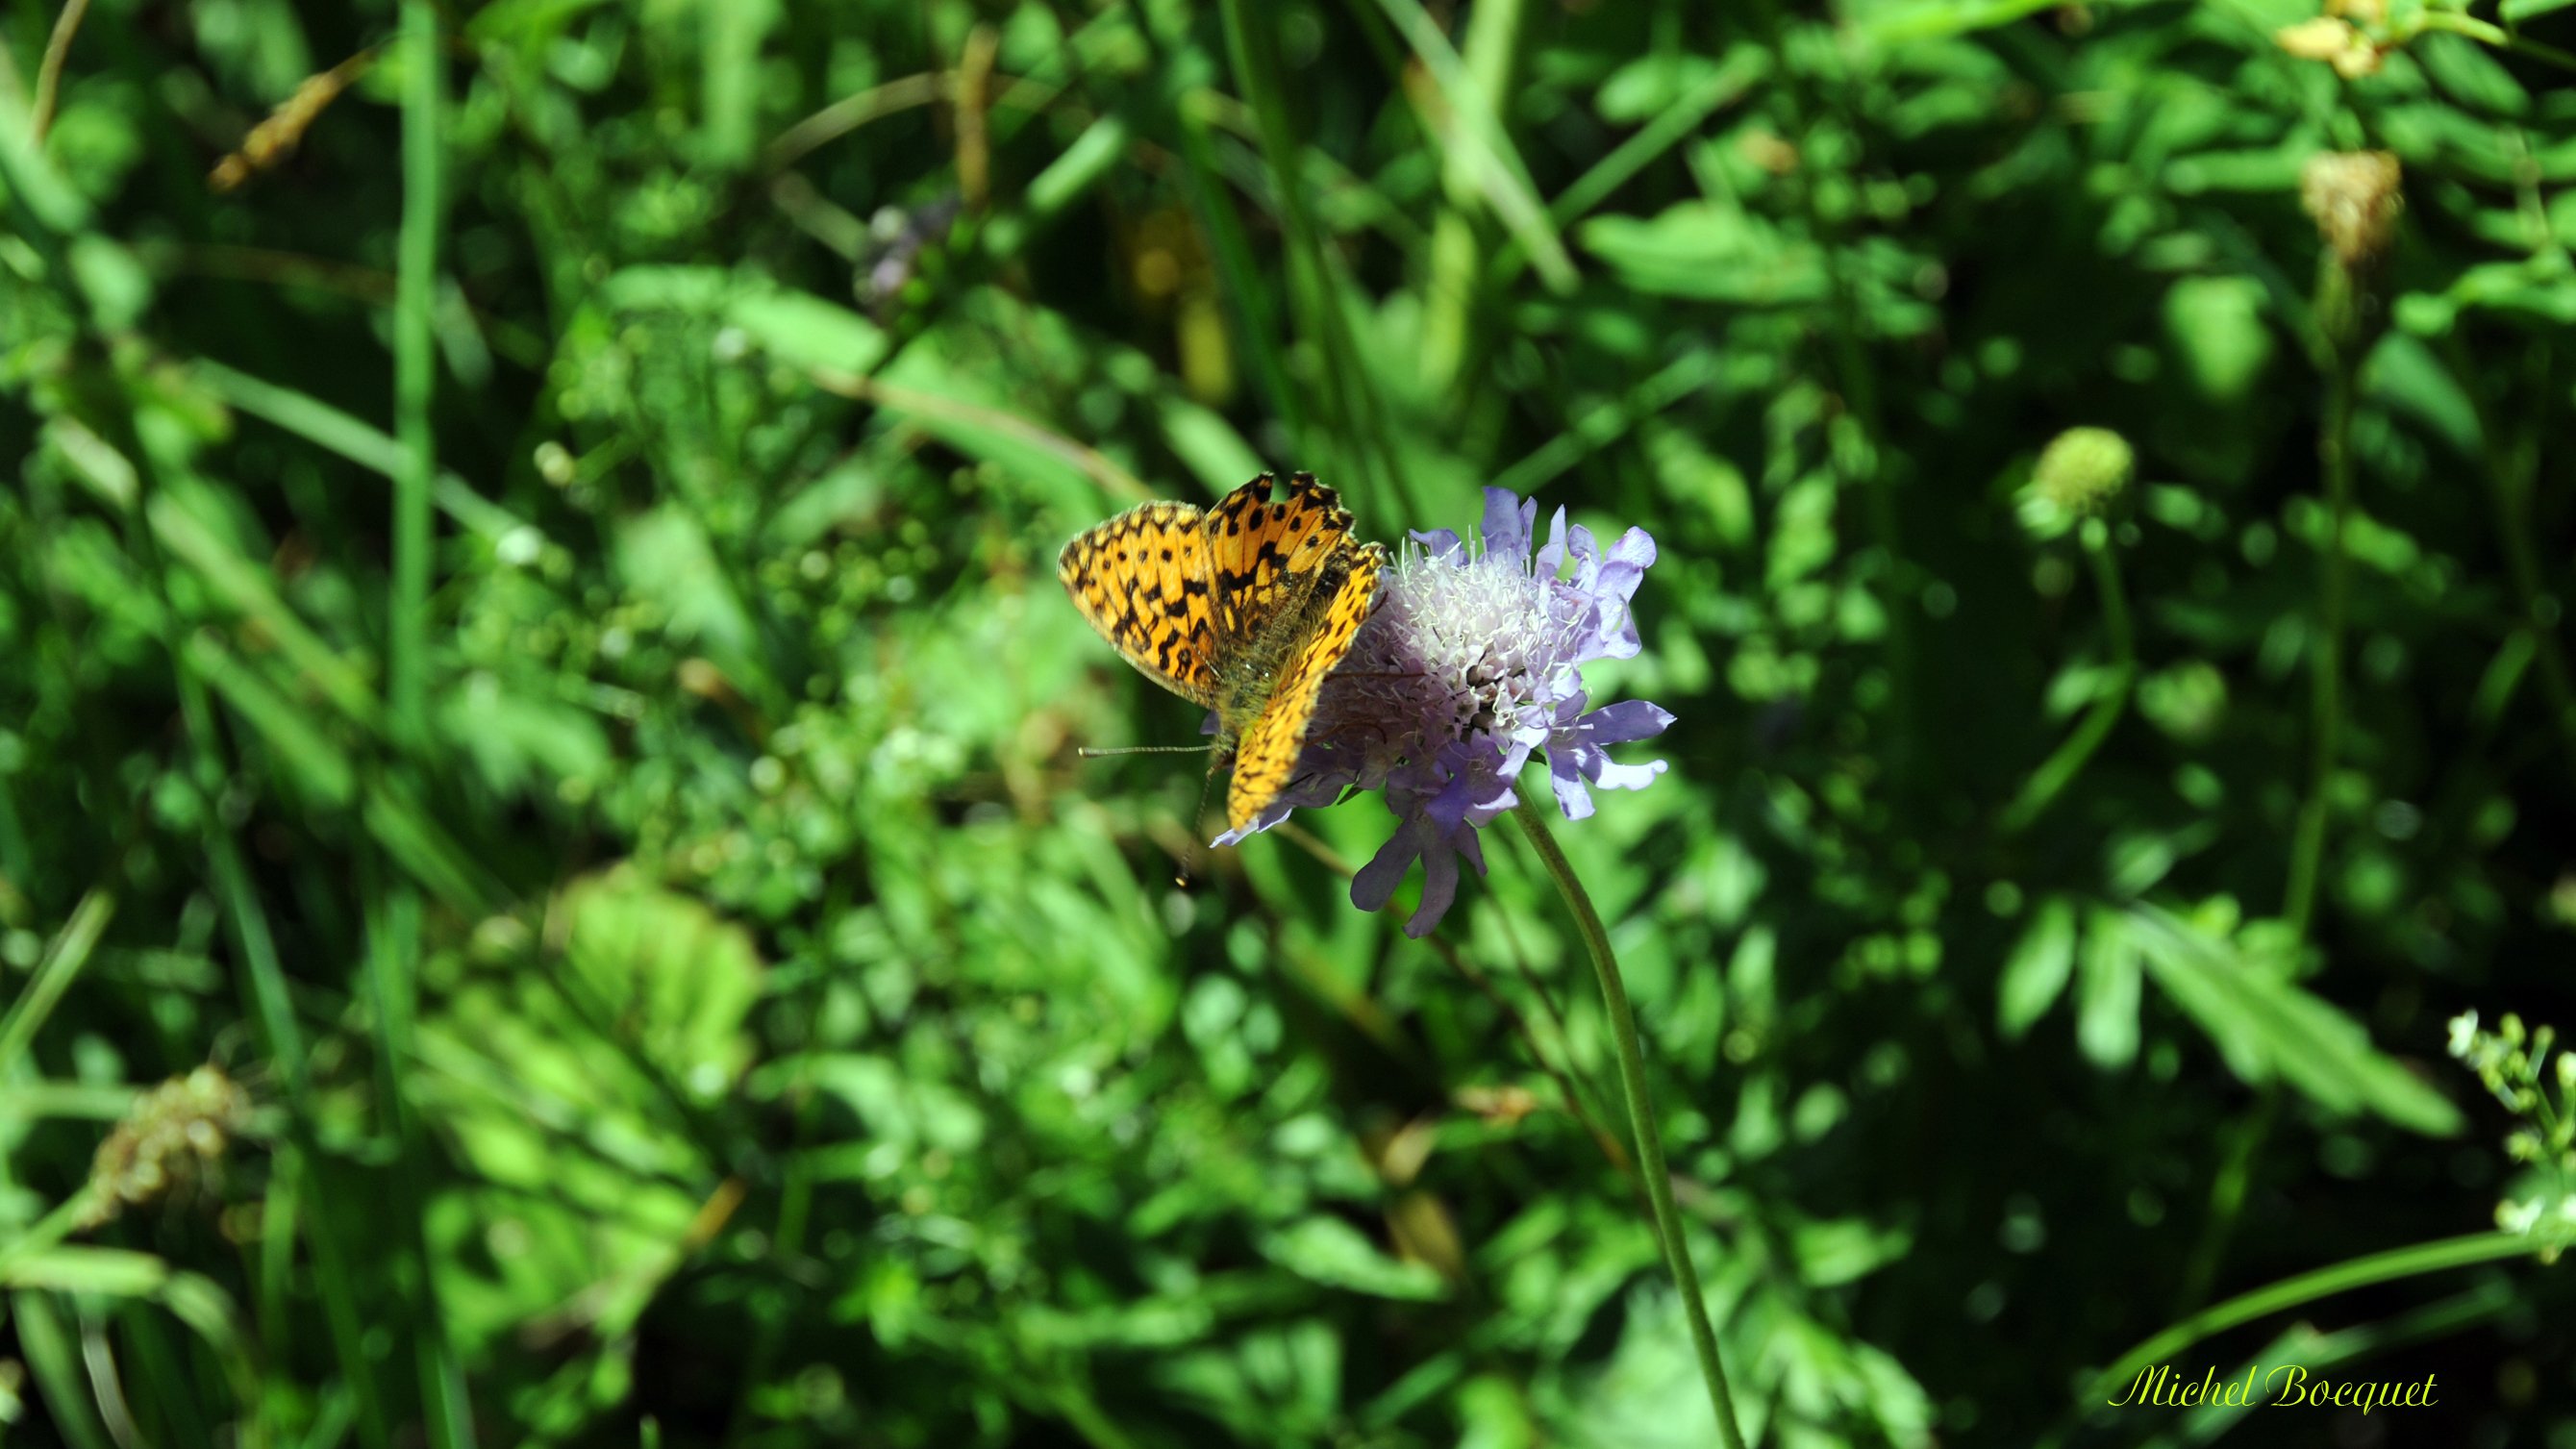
(49, 72)
(415, 363)
(55, 971)
(66, 1218)
(2512, 471)
(52, 1362)
(1246, 291)
(2407, 1262)
(2334, 448)
(1358, 429)
(1491, 55)
(394, 956)
(1641, 1115)
(2062, 766)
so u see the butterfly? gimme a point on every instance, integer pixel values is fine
(1244, 608)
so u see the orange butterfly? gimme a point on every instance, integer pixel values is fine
(1244, 608)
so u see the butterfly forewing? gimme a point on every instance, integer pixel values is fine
(1267, 553)
(1143, 581)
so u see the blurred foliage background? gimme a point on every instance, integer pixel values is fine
(532, 695)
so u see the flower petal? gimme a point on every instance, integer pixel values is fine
(1441, 544)
(1439, 889)
(1376, 881)
(1602, 771)
(1629, 719)
(1507, 523)
(1552, 555)
(1567, 778)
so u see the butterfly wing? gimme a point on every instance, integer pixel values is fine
(1266, 554)
(1266, 757)
(1143, 581)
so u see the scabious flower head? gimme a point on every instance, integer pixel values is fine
(2080, 474)
(1470, 665)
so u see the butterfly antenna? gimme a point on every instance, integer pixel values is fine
(1089, 753)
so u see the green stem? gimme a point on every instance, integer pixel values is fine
(2069, 759)
(415, 361)
(1641, 1115)
(2334, 449)
(49, 72)
(54, 973)
(2406, 1262)
(393, 955)
(2513, 466)
(65, 1219)
(2495, 35)
(2227, 1192)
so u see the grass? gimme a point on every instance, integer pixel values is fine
(527, 646)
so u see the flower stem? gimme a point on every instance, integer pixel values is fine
(2498, 36)
(2334, 444)
(1641, 1114)
(2061, 768)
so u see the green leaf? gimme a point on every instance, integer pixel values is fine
(1707, 251)
(2108, 991)
(2038, 969)
(1330, 1251)
(2404, 376)
(2462, 69)
(678, 978)
(518, 741)
(52, 1351)
(2216, 325)
(1648, 86)
(1914, 22)
(1845, 1250)
(664, 556)
(115, 1272)
(2265, 1027)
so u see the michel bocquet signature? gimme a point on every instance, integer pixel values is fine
(2286, 1386)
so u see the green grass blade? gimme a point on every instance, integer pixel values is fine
(1476, 126)
(334, 431)
(53, 1360)
(55, 972)
(2407, 1262)
(424, 65)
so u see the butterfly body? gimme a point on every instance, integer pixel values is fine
(1245, 608)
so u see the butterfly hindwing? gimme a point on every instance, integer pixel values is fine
(1144, 581)
(1265, 757)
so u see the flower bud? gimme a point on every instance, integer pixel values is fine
(143, 1157)
(2080, 474)
(2333, 40)
(2464, 1032)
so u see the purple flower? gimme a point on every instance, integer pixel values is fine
(1468, 667)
